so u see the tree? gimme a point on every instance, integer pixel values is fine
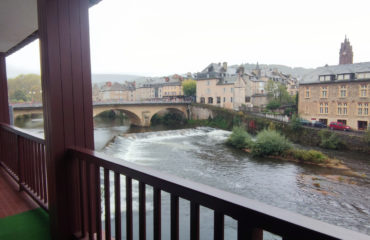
(189, 87)
(277, 93)
(29, 85)
(18, 96)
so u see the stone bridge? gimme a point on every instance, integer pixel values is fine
(139, 113)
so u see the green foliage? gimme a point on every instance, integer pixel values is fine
(189, 87)
(329, 140)
(239, 138)
(19, 96)
(25, 88)
(272, 126)
(295, 123)
(219, 122)
(270, 143)
(278, 92)
(273, 104)
(307, 156)
(168, 119)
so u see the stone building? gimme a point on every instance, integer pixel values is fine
(111, 91)
(231, 87)
(216, 86)
(339, 93)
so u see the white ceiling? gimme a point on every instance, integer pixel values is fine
(18, 20)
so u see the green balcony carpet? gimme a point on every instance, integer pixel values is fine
(30, 225)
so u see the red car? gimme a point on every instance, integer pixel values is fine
(339, 126)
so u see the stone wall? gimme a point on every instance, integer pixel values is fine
(253, 123)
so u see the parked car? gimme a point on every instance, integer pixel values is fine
(339, 126)
(319, 124)
(305, 122)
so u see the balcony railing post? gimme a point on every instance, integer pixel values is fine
(248, 232)
(4, 104)
(19, 162)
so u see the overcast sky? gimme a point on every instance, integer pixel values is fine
(162, 37)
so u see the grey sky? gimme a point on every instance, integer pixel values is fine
(163, 37)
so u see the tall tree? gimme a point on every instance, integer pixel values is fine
(29, 85)
(189, 87)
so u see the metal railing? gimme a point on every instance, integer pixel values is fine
(252, 217)
(23, 157)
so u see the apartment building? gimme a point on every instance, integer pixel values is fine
(339, 93)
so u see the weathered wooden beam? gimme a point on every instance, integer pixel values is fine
(4, 104)
(67, 104)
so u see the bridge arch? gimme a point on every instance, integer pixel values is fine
(134, 119)
(183, 112)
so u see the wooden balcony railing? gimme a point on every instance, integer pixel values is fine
(23, 157)
(252, 217)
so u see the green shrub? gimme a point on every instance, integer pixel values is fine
(273, 104)
(295, 123)
(269, 142)
(307, 156)
(329, 140)
(239, 138)
(272, 126)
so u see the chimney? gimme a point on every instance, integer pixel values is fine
(108, 84)
(224, 65)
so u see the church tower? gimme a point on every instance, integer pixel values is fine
(346, 53)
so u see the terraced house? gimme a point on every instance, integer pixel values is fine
(339, 93)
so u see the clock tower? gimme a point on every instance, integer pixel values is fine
(346, 53)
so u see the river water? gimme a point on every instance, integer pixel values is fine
(199, 154)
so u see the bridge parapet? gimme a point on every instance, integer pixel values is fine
(140, 113)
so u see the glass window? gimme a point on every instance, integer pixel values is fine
(344, 108)
(326, 108)
(339, 109)
(324, 92)
(343, 91)
(363, 90)
(366, 109)
(360, 109)
(218, 99)
(307, 92)
(321, 108)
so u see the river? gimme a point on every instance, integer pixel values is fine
(200, 155)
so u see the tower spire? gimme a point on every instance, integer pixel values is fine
(346, 53)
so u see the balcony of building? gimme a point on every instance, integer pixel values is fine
(77, 193)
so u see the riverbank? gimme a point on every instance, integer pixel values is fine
(207, 115)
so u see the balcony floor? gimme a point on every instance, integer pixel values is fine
(20, 217)
(11, 200)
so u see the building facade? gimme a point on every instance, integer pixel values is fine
(233, 87)
(339, 93)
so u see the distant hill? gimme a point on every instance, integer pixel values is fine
(120, 78)
(297, 72)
